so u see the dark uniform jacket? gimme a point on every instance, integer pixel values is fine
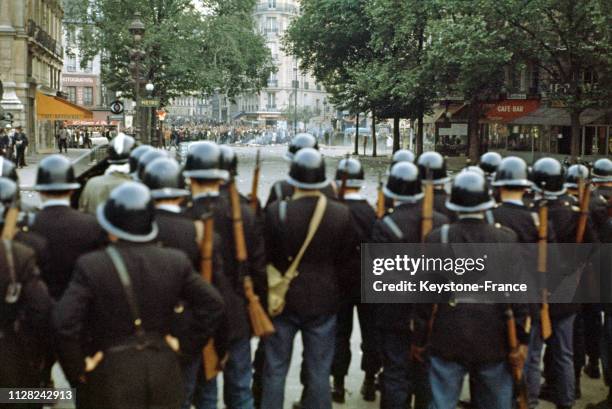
(402, 225)
(440, 197)
(178, 232)
(233, 293)
(470, 333)
(283, 190)
(563, 219)
(95, 303)
(69, 234)
(363, 218)
(323, 269)
(599, 208)
(22, 351)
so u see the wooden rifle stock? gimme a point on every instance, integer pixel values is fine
(255, 184)
(428, 202)
(517, 374)
(380, 199)
(585, 197)
(211, 361)
(260, 322)
(10, 222)
(542, 262)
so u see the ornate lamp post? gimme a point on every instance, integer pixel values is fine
(295, 94)
(150, 128)
(137, 30)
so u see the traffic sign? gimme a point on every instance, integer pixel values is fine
(149, 102)
(116, 107)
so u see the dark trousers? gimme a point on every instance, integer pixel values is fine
(401, 378)
(63, 143)
(21, 157)
(370, 361)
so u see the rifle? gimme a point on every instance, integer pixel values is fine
(342, 190)
(211, 361)
(380, 199)
(516, 372)
(585, 197)
(10, 222)
(542, 261)
(428, 202)
(261, 324)
(255, 185)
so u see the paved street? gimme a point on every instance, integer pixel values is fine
(273, 168)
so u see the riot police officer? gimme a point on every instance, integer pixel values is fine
(69, 233)
(124, 298)
(402, 155)
(8, 169)
(350, 178)
(147, 158)
(313, 298)
(98, 188)
(25, 308)
(203, 168)
(465, 337)
(432, 166)
(489, 162)
(400, 378)
(134, 158)
(282, 189)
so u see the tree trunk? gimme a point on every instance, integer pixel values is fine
(473, 132)
(373, 134)
(419, 138)
(576, 128)
(356, 135)
(396, 133)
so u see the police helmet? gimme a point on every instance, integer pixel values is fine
(469, 193)
(8, 169)
(489, 162)
(402, 155)
(204, 162)
(165, 179)
(300, 141)
(404, 183)
(353, 171)
(432, 163)
(55, 173)
(119, 148)
(602, 170)
(512, 172)
(229, 160)
(8, 194)
(548, 176)
(147, 158)
(135, 156)
(129, 213)
(575, 174)
(307, 170)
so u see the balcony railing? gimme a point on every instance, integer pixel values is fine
(281, 8)
(272, 83)
(44, 39)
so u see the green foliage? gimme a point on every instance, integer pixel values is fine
(213, 47)
(304, 114)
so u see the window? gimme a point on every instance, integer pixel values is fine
(71, 63)
(273, 80)
(271, 25)
(318, 87)
(88, 66)
(271, 4)
(71, 91)
(88, 96)
(306, 85)
(271, 100)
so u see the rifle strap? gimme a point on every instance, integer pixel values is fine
(279, 191)
(444, 233)
(489, 216)
(282, 211)
(126, 283)
(13, 290)
(393, 227)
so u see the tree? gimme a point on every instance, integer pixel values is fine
(304, 114)
(571, 43)
(186, 49)
(469, 51)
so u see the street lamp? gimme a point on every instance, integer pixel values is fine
(325, 117)
(295, 89)
(137, 30)
(150, 128)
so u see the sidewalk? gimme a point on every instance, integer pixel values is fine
(27, 175)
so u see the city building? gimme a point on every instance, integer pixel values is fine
(271, 106)
(31, 58)
(187, 108)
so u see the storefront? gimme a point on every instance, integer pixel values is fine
(446, 130)
(51, 111)
(501, 134)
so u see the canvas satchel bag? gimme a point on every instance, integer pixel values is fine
(278, 283)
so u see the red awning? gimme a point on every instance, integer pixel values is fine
(511, 109)
(92, 122)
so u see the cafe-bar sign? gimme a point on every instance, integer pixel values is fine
(511, 109)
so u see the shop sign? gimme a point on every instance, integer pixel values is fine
(510, 110)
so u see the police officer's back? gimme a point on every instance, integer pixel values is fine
(138, 369)
(433, 166)
(69, 233)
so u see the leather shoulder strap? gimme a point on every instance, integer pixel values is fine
(387, 220)
(13, 290)
(279, 191)
(315, 222)
(444, 233)
(126, 283)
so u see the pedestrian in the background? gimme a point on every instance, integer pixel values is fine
(5, 142)
(20, 141)
(62, 140)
